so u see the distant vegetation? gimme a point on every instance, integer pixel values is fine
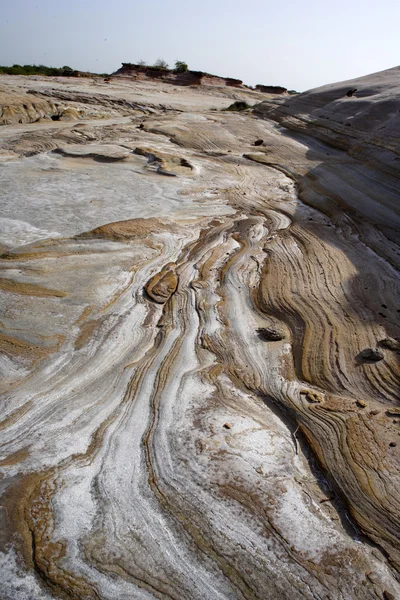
(161, 64)
(180, 66)
(43, 70)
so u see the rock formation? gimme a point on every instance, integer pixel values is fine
(143, 73)
(361, 116)
(271, 89)
(187, 409)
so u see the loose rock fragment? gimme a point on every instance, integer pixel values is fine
(371, 354)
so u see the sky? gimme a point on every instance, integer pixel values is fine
(299, 44)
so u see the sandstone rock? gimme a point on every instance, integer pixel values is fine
(187, 78)
(391, 344)
(271, 89)
(393, 412)
(312, 396)
(114, 455)
(371, 354)
(372, 113)
(101, 152)
(70, 114)
(162, 285)
(271, 334)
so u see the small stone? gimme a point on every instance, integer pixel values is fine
(270, 334)
(371, 354)
(258, 143)
(392, 444)
(227, 426)
(391, 344)
(374, 412)
(388, 595)
(361, 403)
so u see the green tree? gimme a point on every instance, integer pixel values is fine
(180, 66)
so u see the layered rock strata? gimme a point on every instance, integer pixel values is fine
(361, 116)
(187, 408)
(143, 73)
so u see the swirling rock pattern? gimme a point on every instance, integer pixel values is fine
(186, 410)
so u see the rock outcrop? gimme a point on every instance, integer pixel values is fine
(361, 116)
(185, 414)
(145, 73)
(271, 89)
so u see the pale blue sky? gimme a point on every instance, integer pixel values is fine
(297, 44)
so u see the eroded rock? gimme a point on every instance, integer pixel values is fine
(391, 344)
(271, 334)
(312, 396)
(162, 285)
(371, 354)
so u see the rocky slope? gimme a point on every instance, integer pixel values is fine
(200, 355)
(360, 115)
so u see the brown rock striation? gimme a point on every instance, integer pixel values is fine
(163, 284)
(185, 411)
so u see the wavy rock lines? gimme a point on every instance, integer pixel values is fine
(188, 409)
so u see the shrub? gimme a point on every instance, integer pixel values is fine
(239, 105)
(180, 66)
(161, 64)
(41, 70)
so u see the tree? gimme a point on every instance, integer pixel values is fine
(141, 63)
(180, 66)
(161, 64)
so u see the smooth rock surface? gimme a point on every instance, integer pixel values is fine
(153, 445)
